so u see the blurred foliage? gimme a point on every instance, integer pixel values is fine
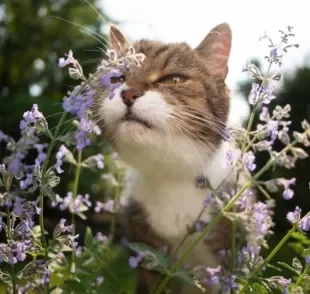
(33, 35)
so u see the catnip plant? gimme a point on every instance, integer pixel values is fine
(33, 259)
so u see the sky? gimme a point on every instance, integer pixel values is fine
(190, 21)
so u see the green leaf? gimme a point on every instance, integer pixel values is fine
(289, 267)
(274, 267)
(297, 265)
(88, 240)
(185, 276)
(161, 259)
(81, 215)
(67, 138)
(75, 286)
(47, 191)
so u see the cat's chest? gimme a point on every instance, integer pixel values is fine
(170, 206)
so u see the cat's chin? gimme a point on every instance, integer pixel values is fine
(130, 130)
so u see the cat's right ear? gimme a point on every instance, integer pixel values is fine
(117, 39)
(214, 50)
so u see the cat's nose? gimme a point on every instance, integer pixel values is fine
(129, 96)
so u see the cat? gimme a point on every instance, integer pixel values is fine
(166, 121)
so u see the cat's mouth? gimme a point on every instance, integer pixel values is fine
(131, 117)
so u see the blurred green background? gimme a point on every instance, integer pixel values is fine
(31, 41)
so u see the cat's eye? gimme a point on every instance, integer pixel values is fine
(172, 79)
(115, 80)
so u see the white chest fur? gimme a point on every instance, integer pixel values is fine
(171, 205)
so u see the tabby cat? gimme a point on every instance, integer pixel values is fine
(166, 121)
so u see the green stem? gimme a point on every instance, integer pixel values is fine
(301, 277)
(44, 168)
(214, 222)
(117, 195)
(9, 236)
(74, 194)
(268, 258)
(9, 232)
(251, 120)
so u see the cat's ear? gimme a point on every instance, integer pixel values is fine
(214, 50)
(117, 39)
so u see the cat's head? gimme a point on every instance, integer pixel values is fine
(174, 105)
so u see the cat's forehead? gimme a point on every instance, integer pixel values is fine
(164, 58)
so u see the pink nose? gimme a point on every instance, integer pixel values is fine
(129, 96)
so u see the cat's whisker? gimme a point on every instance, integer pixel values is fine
(192, 130)
(204, 113)
(85, 32)
(90, 61)
(102, 18)
(207, 124)
(198, 136)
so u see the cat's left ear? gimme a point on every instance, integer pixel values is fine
(117, 39)
(214, 50)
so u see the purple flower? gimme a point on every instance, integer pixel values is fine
(268, 96)
(45, 277)
(208, 200)
(272, 129)
(261, 214)
(135, 260)
(99, 161)
(243, 200)
(63, 154)
(294, 216)
(107, 206)
(1, 223)
(200, 225)
(65, 61)
(78, 204)
(248, 159)
(213, 275)
(273, 53)
(232, 155)
(264, 115)
(15, 164)
(41, 155)
(284, 283)
(307, 259)
(102, 238)
(31, 117)
(254, 94)
(228, 283)
(95, 161)
(288, 192)
(99, 280)
(305, 223)
(63, 228)
(2, 245)
(106, 81)
(276, 53)
(251, 251)
(20, 251)
(18, 209)
(86, 127)
(80, 104)
(24, 184)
